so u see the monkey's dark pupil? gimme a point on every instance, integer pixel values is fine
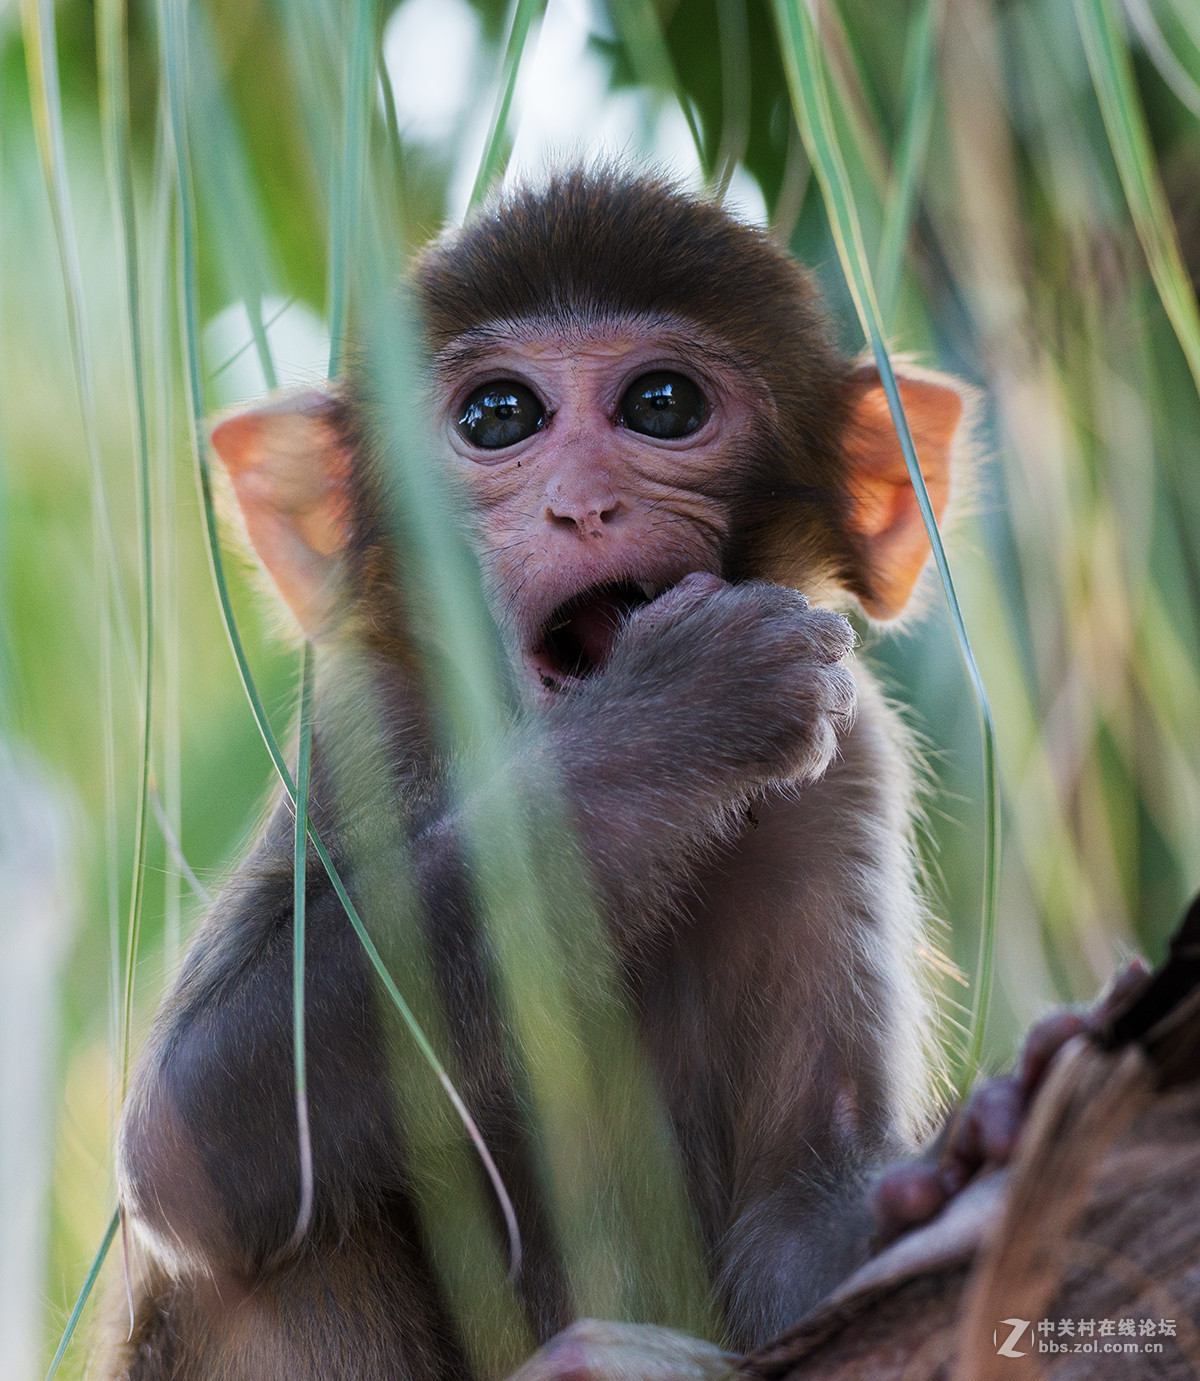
(499, 415)
(663, 405)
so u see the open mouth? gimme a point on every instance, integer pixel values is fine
(578, 638)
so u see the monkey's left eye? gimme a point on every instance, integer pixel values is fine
(663, 405)
(499, 415)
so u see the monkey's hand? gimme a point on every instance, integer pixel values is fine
(984, 1132)
(591, 1350)
(745, 683)
(712, 693)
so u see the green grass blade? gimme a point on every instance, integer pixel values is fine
(1172, 71)
(354, 155)
(604, 1152)
(733, 41)
(1188, 18)
(46, 108)
(167, 804)
(172, 28)
(84, 1293)
(347, 214)
(641, 35)
(1112, 75)
(112, 867)
(299, 879)
(227, 184)
(499, 144)
(41, 61)
(37, 22)
(257, 343)
(910, 156)
(114, 102)
(806, 82)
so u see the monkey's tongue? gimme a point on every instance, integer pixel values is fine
(581, 636)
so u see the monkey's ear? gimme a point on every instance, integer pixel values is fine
(289, 469)
(884, 512)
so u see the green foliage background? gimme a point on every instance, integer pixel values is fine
(1021, 233)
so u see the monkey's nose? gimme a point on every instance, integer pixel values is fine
(588, 512)
(588, 522)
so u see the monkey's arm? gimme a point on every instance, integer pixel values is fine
(208, 1163)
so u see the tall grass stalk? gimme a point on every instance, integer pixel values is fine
(920, 94)
(806, 78)
(84, 1295)
(620, 1212)
(299, 908)
(114, 102)
(41, 57)
(173, 38)
(498, 144)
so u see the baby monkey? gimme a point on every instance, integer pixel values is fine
(673, 481)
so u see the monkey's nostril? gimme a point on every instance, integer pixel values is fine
(586, 521)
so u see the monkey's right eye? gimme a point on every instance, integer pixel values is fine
(499, 415)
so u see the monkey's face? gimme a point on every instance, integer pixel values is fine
(603, 458)
(597, 460)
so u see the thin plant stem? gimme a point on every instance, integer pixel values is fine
(114, 101)
(910, 157)
(300, 870)
(806, 82)
(497, 145)
(1112, 75)
(85, 1291)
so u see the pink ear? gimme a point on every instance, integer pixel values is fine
(885, 513)
(289, 470)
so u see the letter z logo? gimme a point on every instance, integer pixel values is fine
(1016, 1328)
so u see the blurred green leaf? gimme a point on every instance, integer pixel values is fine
(1112, 73)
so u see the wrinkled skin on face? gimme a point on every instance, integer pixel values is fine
(586, 516)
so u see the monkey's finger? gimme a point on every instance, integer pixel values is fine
(1044, 1041)
(1121, 987)
(1049, 1035)
(905, 1197)
(693, 590)
(986, 1133)
(832, 635)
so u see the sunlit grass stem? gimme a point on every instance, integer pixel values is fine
(84, 1295)
(299, 874)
